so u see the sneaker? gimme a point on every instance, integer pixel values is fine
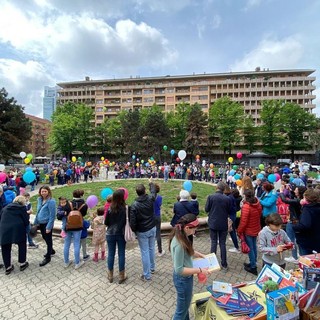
(86, 257)
(24, 266)
(224, 269)
(251, 270)
(152, 271)
(33, 246)
(143, 278)
(234, 250)
(79, 265)
(67, 264)
(291, 260)
(9, 270)
(160, 254)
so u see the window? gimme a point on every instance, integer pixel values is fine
(147, 91)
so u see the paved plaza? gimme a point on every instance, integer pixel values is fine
(52, 292)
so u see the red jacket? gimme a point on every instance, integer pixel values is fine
(250, 219)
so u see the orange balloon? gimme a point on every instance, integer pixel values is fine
(197, 156)
(211, 165)
(239, 183)
(55, 172)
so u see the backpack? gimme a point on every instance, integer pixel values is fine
(74, 218)
(283, 210)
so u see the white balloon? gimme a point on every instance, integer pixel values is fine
(22, 154)
(182, 154)
(2, 167)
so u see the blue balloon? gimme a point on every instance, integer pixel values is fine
(272, 178)
(69, 172)
(133, 157)
(29, 177)
(172, 152)
(28, 169)
(237, 176)
(232, 172)
(105, 193)
(260, 176)
(187, 185)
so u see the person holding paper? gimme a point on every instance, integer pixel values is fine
(182, 253)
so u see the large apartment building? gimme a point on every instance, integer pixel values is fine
(108, 97)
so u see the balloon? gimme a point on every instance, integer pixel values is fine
(2, 167)
(74, 159)
(30, 156)
(137, 164)
(235, 167)
(126, 193)
(151, 158)
(147, 164)
(128, 163)
(230, 159)
(165, 148)
(142, 161)
(271, 178)
(29, 177)
(69, 172)
(79, 158)
(22, 154)
(187, 185)
(133, 157)
(211, 165)
(260, 176)
(26, 160)
(232, 172)
(197, 156)
(277, 176)
(28, 169)
(261, 166)
(178, 159)
(113, 163)
(237, 176)
(182, 155)
(239, 155)
(102, 158)
(172, 152)
(55, 172)
(64, 159)
(101, 164)
(3, 177)
(239, 183)
(92, 201)
(89, 163)
(105, 193)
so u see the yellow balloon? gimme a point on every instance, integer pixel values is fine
(74, 159)
(230, 159)
(102, 158)
(137, 164)
(27, 160)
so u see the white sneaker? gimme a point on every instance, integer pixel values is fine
(79, 265)
(161, 254)
(291, 260)
(67, 264)
(234, 250)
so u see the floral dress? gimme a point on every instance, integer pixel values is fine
(99, 230)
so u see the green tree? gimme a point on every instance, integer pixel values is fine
(271, 129)
(225, 123)
(196, 137)
(297, 126)
(72, 129)
(15, 127)
(250, 134)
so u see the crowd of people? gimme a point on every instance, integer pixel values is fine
(269, 217)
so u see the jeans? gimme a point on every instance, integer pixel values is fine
(216, 235)
(158, 233)
(146, 242)
(6, 253)
(47, 237)
(292, 236)
(184, 287)
(252, 244)
(29, 238)
(113, 241)
(76, 236)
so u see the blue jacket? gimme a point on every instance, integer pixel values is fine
(157, 206)
(46, 213)
(181, 208)
(86, 225)
(268, 202)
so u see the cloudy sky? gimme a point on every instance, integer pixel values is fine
(43, 42)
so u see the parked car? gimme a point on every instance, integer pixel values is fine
(306, 166)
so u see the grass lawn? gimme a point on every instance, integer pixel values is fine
(169, 192)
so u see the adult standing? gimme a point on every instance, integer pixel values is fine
(46, 212)
(250, 227)
(115, 222)
(142, 222)
(13, 223)
(268, 200)
(157, 215)
(307, 229)
(218, 207)
(74, 234)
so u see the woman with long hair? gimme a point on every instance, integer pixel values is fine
(116, 221)
(46, 212)
(182, 253)
(268, 200)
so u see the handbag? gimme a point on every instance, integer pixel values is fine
(33, 230)
(244, 247)
(128, 233)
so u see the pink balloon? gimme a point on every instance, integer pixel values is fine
(277, 176)
(3, 177)
(239, 155)
(126, 193)
(92, 201)
(22, 191)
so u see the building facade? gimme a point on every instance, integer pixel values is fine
(38, 144)
(49, 102)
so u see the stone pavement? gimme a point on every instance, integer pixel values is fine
(52, 292)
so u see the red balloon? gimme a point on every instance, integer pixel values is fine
(178, 160)
(239, 155)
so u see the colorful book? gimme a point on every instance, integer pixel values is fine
(222, 287)
(311, 277)
(210, 261)
(267, 273)
(314, 300)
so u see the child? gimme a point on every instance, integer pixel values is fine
(107, 206)
(272, 241)
(62, 212)
(83, 242)
(99, 235)
(194, 202)
(31, 244)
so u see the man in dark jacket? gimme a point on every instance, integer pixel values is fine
(218, 207)
(143, 223)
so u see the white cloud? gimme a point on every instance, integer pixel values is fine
(252, 4)
(272, 53)
(216, 21)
